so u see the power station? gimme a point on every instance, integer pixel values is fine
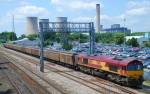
(45, 24)
(63, 24)
(31, 25)
(62, 28)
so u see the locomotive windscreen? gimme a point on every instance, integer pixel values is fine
(135, 65)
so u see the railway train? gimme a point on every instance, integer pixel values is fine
(128, 71)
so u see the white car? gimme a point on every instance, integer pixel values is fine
(148, 67)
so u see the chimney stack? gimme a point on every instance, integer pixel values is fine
(97, 17)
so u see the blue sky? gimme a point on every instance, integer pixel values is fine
(136, 12)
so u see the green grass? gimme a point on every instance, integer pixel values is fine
(147, 83)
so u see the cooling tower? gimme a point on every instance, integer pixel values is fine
(62, 28)
(62, 24)
(31, 25)
(45, 24)
(97, 17)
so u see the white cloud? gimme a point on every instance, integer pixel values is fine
(82, 4)
(56, 2)
(103, 18)
(84, 19)
(136, 3)
(30, 10)
(138, 8)
(75, 4)
(137, 12)
(20, 12)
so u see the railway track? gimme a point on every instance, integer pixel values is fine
(34, 74)
(9, 76)
(62, 75)
(122, 88)
(102, 87)
(15, 85)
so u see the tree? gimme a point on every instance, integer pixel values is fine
(8, 36)
(12, 36)
(49, 35)
(22, 36)
(67, 46)
(46, 42)
(82, 38)
(105, 37)
(133, 42)
(32, 37)
(119, 38)
(147, 44)
(137, 33)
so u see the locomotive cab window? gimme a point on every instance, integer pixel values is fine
(113, 68)
(135, 67)
(85, 61)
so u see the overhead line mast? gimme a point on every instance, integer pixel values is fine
(13, 27)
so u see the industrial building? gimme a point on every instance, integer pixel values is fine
(115, 28)
(62, 24)
(45, 24)
(144, 39)
(31, 25)
(62, 28)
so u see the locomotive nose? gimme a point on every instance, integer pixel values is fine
(135, 74)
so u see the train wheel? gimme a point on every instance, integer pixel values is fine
(92, 71)
(77, 68)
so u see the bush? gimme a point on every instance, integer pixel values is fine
(32, 37)
(67, 46)
(22, 36)
(78, 37)
(104, 38)
(8, 36)
(133, 42)
(147, 44)
(46, 43)
(119, 38)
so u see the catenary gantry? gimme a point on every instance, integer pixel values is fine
(66, 27)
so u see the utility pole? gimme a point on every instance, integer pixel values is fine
(41, 47)
(13, 27)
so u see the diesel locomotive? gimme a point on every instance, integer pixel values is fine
(126, 71)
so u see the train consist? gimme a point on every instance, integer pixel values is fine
(128, 71)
